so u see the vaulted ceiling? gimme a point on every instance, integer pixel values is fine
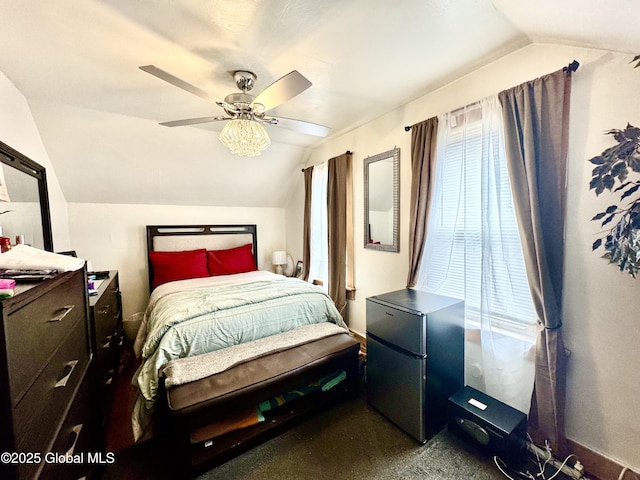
(76, 62)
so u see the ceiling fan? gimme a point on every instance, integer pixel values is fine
(245, 106)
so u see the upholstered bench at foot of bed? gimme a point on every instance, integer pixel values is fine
(196, 409)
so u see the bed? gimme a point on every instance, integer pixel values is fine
(232, 355)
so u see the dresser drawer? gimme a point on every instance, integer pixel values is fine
(105, 358)
(108, 353)
(111, 292)
(73, 440)
(106, 318)
(34, 331)
(40, 411)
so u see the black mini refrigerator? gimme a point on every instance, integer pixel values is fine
(415, 358)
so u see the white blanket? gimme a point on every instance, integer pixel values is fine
(24, 257)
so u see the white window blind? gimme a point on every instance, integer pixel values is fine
(473, 248)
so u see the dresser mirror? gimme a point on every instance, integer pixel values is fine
(382, 201)
(25, 217)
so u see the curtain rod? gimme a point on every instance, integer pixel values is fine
(348, 152)
(572, 67)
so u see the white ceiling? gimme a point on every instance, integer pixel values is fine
(76, 62)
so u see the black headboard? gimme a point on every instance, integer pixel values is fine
(191, 237)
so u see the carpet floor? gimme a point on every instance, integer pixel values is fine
(353, 441)
(350, 441)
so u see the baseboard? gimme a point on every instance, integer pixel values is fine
(597, 466)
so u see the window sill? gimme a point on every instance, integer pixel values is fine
(351, 291)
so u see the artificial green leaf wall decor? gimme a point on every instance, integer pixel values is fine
(614, 170)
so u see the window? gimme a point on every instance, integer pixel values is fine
(319, 229)
(473, 248)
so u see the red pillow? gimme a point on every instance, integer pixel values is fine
(170, 266)
(232, 260)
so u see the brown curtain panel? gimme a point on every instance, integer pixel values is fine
(423, 154)
(337, 201)
(536, 122)
(306, 224)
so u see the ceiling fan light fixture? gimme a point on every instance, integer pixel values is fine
(244, 137)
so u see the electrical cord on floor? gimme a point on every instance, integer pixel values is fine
(542, 467)
(560, 467)
(626, 470)
(503, 468)
(541, 475)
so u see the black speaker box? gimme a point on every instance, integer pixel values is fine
(491, 426)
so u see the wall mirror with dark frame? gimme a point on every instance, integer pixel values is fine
(382, 201)
(26, 216)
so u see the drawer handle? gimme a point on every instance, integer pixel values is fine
(104, 310)
(76, 433)
(107, 343)
(63, 381)
(65, 311)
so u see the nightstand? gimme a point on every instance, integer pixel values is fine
(107, 338)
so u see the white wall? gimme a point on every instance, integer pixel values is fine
(381, 226)
(600, 304)
(25, 217)
(19, 131)
(113, 237)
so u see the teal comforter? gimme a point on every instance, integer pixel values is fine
(189, 323)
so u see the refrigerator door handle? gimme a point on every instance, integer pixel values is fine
(396, 348)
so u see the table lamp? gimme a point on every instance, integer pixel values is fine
(278, 259)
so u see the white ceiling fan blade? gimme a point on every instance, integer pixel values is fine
(193, 121)
(302, 126)
(178, 82)
(283, 89)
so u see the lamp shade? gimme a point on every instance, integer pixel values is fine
(279, 257)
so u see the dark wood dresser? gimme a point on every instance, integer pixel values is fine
(108, 339)
(45, 380)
